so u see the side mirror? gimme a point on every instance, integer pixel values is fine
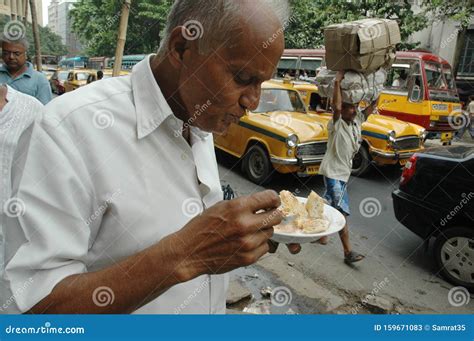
(415, 93)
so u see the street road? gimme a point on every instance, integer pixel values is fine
(398, 272)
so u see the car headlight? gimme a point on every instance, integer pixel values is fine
(423, 134)
(392, 136)
(292, 141)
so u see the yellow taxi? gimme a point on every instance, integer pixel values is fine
(76, 78)
(279, 136)
(386, 140)
(107, 74)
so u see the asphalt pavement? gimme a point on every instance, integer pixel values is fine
(397, 276)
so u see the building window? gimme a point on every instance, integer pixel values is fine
(466, 62)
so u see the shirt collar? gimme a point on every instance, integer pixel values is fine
(150, 104)
(28, 72)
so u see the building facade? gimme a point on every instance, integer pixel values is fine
(15, 10)
(60, 23)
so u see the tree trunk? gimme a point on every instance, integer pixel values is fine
(122, 36)
(25, 11)
(34, 22)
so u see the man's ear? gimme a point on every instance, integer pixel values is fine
(177, 45)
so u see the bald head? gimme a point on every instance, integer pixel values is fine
(217, 23)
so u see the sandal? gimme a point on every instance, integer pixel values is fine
(353, 257)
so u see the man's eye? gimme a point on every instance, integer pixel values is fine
(242, 79)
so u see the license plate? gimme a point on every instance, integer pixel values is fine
(312, 170)
(446, 137)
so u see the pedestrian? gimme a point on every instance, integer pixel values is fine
(19, 74)
(100, 75)
(344, 141)
(17, 113)
(471, 116)
(123, 198)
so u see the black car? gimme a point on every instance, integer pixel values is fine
(436, 200)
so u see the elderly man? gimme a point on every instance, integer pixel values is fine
(17, 113)
(123, 209)
(19, 74)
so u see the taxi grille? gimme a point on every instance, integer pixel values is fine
(408, 143)
(311, 149)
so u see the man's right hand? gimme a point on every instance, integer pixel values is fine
(228, 235)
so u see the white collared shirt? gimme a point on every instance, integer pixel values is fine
(109, 175)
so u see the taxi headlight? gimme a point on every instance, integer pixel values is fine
(292, 141)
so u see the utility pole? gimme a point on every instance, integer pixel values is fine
(122, 36)
(25, 11)
(34, 22)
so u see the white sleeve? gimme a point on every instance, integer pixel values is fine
(49, 237)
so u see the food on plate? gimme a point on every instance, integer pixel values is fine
(309, 217)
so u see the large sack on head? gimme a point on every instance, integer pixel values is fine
(363, 45)
(355, 86)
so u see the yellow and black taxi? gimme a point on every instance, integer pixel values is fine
(386, 140)
(278, 136)
(76, 78)
(106, 73)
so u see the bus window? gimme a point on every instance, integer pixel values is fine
(448, 75)
(397, 77)
(434, 76)
(310, 65)
(285, 64)
(415, 83)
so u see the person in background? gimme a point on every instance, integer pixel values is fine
(17, 114)
(345, 136)
(471, 116)
(401, 81)
(19, 74)
(100, 75)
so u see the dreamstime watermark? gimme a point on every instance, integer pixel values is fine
(14, 207)
(281, 296)
(370, 207)
(371, 32)
(18, 292)
(192, 207)
(110, 21)
(452, 37)
(191, 296)
(103, 119)
(266, 44)
(281, 119)
(459, 119)
(464, 201)
(103, 207)
(377, 288)
(199, 110)
(103, 296)
(192, 30)
(14, 30)
(458, 296)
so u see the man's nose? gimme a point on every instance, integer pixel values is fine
(250, 98)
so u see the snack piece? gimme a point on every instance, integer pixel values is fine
(290, 205)
(311, 225)
(315, 206)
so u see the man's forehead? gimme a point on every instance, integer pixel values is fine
(12, 46)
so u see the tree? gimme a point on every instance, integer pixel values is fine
(96, 24)
(309, 17)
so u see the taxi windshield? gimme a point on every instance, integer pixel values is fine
(280, 100)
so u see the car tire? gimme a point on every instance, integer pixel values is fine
(454, 257)
(361, 165)
(257, 165)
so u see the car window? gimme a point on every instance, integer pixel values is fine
(70, 77)
(280, 100)
(82, 76)
(62, 76)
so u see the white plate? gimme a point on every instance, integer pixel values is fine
(336, 223)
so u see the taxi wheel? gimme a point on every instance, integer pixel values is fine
(257, 165)
(454, 253)
(361, 162)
